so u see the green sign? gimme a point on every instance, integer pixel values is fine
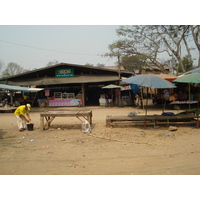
(64, 72)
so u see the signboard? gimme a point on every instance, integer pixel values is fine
(125, 87)
(47, 92)
(65, 102)
(64, 72)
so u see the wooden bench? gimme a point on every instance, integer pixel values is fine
(49, 116)
(154, 120)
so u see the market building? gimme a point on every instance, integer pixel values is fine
(67, 84)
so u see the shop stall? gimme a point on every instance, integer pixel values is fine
(65, 99)
(126, 95)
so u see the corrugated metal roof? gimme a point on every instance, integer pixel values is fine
(69, 80)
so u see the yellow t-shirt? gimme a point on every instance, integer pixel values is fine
(21, 110)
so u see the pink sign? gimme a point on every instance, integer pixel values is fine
(47, 93)
(65, 102)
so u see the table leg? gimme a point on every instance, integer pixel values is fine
(41, 123)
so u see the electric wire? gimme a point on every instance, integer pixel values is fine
(23, 45)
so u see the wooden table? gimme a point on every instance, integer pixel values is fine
(51, 115)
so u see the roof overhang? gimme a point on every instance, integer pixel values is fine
(69, 80)
(18, 88)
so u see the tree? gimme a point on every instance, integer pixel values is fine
(89, 65)
(196, 36)
(186, 63)
(1, 64)
(13, 69)
(172, 36)
(51, 63)
(133, 62)
(152, 42)
(100, 65)
(138, 41)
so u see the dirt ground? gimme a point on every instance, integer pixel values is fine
(65, 150)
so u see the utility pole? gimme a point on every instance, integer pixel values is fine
(119, 73)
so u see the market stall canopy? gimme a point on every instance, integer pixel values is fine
(195, 70)
(111, 86)
(148, 80)
(168, 77)
(190, 78)
(18, 88)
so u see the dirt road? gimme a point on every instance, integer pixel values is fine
(65, 150)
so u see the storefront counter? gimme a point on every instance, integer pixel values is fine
(184, 102)
(65, 102)
(126, 102)
(102, 102)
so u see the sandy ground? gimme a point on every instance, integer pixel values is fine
(65, 150)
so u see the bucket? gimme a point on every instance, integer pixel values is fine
(30, 127)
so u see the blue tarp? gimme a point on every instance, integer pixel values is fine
(135, 88)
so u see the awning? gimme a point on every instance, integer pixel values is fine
(168, 77)
(70, 80)
(18, 88)
(111, 86)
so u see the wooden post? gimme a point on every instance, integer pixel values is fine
(146, 101)
(41, 123)
(189, 96)
(83, 93)
(11, 98)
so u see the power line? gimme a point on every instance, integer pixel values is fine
(46, 49)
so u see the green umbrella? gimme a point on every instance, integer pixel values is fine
(189, 78)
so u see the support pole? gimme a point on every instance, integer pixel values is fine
(83, 94)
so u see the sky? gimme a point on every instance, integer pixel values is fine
(76, 32)
(33, 46)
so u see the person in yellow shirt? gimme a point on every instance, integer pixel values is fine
(22, 115)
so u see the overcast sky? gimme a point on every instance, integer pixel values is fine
(34, 46)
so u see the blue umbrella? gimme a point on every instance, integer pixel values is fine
(147, 80)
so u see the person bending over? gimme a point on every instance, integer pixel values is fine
(22, 115)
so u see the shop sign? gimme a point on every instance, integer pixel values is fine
(64, 72)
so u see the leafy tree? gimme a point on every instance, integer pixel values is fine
(139, 41)
(13, 69)
(89, 65)
(151, 42)
(196, 36)
(133, 62)
(51, 63)
(186, 63)
(172, 36)
(100, 65)
(1, 64)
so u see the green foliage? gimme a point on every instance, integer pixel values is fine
(151, 42)
(130, 63)
(12, 69)
(186, 63)
(89, 65)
